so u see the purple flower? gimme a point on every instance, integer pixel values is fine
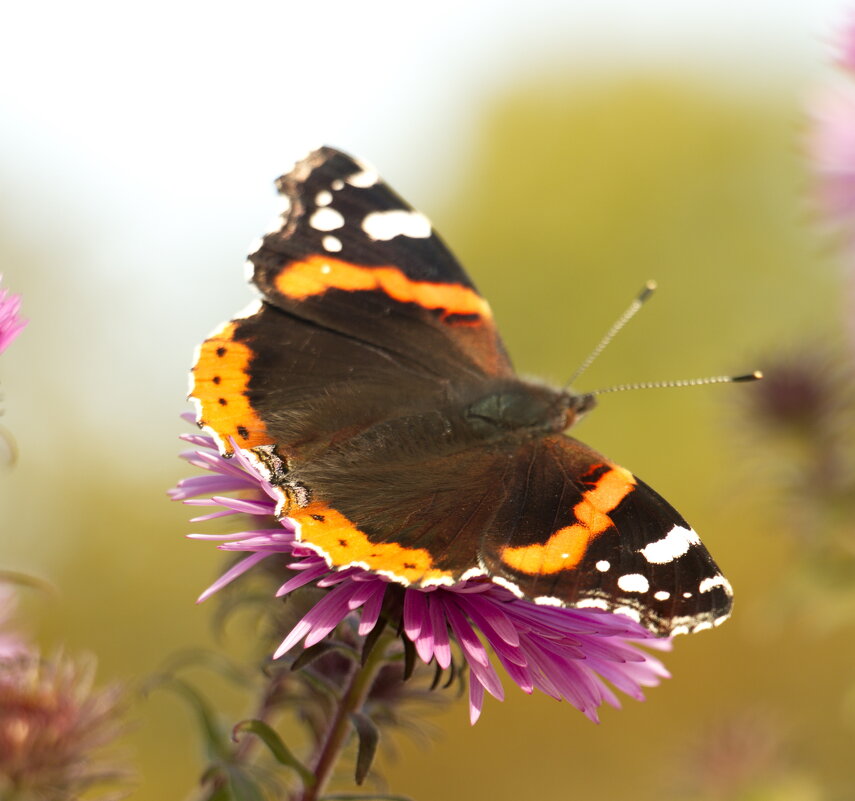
(566, 653)
(10, 323)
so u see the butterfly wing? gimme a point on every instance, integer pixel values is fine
(355, 366)
(578, 530)
(547, 517)
(365, 312)
(353, 257)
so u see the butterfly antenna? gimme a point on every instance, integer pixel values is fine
(648, 289)
(685, 382)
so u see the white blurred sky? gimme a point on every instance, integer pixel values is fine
(142, 141)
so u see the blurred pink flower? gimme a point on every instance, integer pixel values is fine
(10, 323)
(832, 150)
(568, 654)
(846, 46)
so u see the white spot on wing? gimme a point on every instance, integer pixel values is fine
(672, 546)
(326, 220)
(325, 268)
(716, 581)
(473, 572)
(332, 244)
(679, 630)
(592, 603)
(337, 185)
(363, 179)
(628, 611)
(633, 582)
(548, 600)
(440, 581)
(602, 565)
(702, 626)
(661, 595)
(323, 198)
(508, 585)
(385, 225)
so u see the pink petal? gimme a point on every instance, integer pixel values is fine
(231, 574)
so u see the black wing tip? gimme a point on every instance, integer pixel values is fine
(334, 161)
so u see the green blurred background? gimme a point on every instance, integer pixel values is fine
(567, 155)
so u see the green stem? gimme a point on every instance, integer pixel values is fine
(351, 701)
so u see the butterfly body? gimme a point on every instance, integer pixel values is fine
(372, 388)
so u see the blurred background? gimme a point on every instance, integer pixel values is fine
(567, 152)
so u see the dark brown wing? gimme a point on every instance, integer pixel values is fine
(365, 313)
(353, 257)
(547, 517)
(581, 531)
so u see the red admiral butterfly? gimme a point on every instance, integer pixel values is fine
(372, 388)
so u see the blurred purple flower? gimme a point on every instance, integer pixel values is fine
(52, 723)
(10, 323)
(831, 148)
(566, 653)
(846, 46)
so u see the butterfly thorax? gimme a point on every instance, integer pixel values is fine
(495, 413)
(523, 407)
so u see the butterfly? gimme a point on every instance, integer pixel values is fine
(371, 388)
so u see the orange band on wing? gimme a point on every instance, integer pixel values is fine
(344, 543)
(316, 274)
(219, 383)
(567, 546)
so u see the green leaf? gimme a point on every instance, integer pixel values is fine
(276, 746)
(225, 782)
(318, 650)
(437, 676)
(231, 603)
(221, 793)
(242, 787)
(212, 660)
(369, 737)
(321, 686)
(215, 740)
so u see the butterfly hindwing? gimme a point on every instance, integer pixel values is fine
(580, 530)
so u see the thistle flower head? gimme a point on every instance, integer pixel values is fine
(801, 391)
(571, 654)
(52, 721)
